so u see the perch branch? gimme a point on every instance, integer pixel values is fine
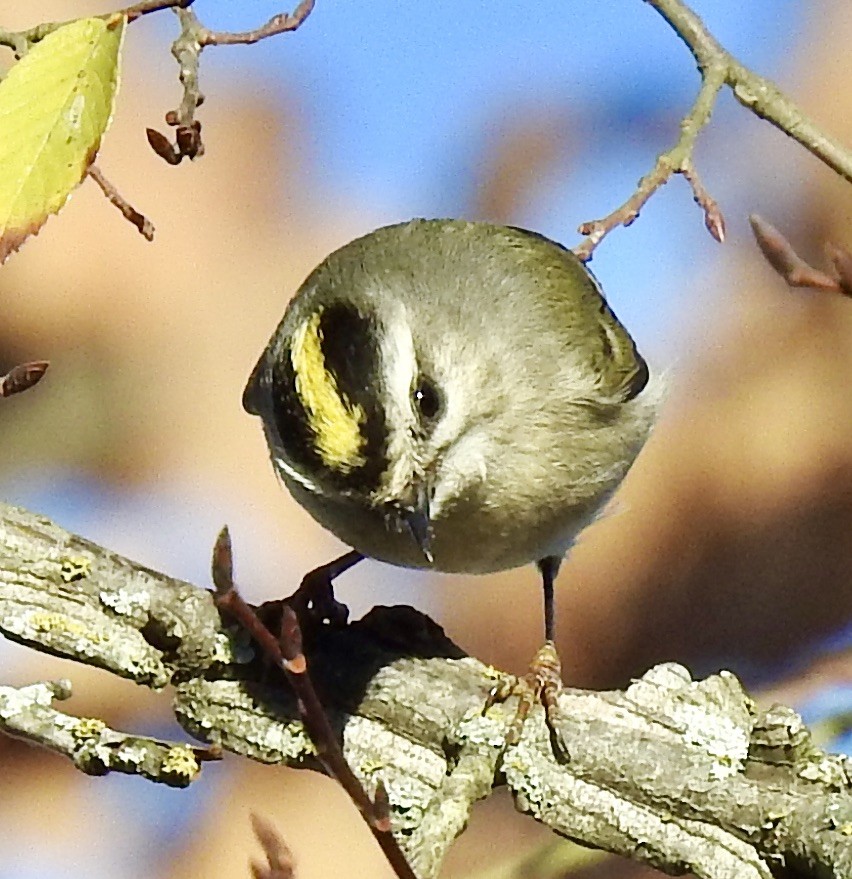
(718, 68)
(686, 775)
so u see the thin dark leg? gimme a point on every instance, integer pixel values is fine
(549, 567)
(315, 595)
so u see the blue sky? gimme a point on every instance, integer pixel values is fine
(402, 98)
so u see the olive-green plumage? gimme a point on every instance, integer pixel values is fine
(496, 401)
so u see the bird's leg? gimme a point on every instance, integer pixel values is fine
(314, 599)
(549, 568)
(543, 682)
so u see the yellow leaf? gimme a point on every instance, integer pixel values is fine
(55, 105)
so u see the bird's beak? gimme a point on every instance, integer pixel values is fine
(416, 518)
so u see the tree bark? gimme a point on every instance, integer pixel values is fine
(683, 775)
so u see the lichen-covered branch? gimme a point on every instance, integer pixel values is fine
(682, 774)
(718, 68)
(94, 748)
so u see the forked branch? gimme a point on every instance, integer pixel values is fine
(718, 68)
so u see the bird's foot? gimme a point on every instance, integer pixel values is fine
(314, 601)
(541, 684)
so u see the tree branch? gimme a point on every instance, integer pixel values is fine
(94, 748)
(144, 226)
(187, 48)
(718, 68)
(753, 91)
(20, 41)
(681, 774)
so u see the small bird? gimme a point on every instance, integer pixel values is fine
(451, 395)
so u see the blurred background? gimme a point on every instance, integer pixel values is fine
(731, 545)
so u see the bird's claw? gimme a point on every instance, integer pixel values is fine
(541, 684)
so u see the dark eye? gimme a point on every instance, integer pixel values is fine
(427, 398)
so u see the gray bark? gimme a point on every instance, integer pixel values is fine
(684, 775)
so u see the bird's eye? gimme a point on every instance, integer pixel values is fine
(427, 398)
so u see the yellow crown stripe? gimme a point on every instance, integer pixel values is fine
(335, 422)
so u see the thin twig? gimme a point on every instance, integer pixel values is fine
(278, 24)
(140, 221)
(280, 863)
(131, 13)
(677, 160)
(19, 41)
(22, 377)
(794, 269)
(287, 655)
(718, 68)
(194, 37)
(753, 91)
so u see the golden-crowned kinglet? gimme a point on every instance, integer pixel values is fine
(452, 395)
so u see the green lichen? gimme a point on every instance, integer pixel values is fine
(75, 568)
(181, 762)
(87, 728)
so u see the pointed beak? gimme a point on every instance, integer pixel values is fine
(416, 518)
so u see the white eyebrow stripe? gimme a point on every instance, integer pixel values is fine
(399, 365)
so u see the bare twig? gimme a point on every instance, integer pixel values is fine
(137, 10)
(22, 377)
(19, 41)
(187, 48)
(279, 859)
(718, 68)
(140, 221)
(796, 271)
(278, 24)
(677, 160)
(753, 91)
(287, 655)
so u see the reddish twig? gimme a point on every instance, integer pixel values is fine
(22, 377)
(286, 653)
(140, 221)
(795, 271)
(713, 218)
